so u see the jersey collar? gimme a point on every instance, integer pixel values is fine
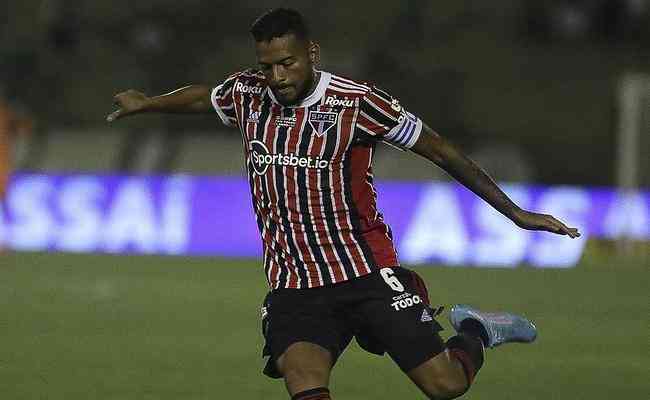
(314, 97)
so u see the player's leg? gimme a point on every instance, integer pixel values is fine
(399, 320)
(304, 338)
(306, 370)
(396, 318)
(450, 373)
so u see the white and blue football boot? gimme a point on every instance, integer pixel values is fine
(496, 328)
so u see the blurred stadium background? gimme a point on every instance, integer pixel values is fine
(551, 97)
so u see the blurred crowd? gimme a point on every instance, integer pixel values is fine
(530, 82)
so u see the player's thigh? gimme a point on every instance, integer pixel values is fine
(395, 319)
(440, 377)
(304, 335)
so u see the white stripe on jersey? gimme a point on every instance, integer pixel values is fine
(368, 131)
(348, 86)
(290, 267)
(333, 200)
(376, 107)
(362, 255)
(213, 98)
(344, 80)
(370, 175)
(321, 250)
(300, 214)
(295, 231)
(327, 228)
(345, 90)
(279, 227)
(371, 119)
(258, 190)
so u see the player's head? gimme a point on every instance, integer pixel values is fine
(286, 53)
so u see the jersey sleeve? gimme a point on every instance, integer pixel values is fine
(223, 101)
(382, 117)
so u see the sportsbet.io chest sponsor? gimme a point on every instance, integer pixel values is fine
(261, 159)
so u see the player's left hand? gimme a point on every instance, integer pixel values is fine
(543, 222)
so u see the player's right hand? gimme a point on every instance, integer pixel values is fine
(543, 222)
(129, 102)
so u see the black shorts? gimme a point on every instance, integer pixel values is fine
(385, 311)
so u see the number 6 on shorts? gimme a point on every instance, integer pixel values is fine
(391, 280)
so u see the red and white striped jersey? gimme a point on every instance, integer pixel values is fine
(310, 173)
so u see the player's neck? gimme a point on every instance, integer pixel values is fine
(315, 78)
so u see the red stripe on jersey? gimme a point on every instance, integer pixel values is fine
(347, 82)
(250, 133)
(327, 229)
(291, 184)
(365, 85)
(358, 260)
(372, 126)
(272, 257)
(375, 231)
(292, 198)
(314, 193)
(270, 140)
(382, 105)
(345, 91)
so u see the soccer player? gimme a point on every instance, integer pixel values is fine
(329, 258)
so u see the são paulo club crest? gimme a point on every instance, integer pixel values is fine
(322, 121)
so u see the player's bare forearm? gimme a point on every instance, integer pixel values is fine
(448, 157)
(444, 154)
(188, 99)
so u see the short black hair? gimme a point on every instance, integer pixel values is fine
(278, 22)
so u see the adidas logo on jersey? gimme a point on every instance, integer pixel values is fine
(394, 104)
(254, 117)
(240, 87)
(334, 102)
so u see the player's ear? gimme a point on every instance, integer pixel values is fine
(314, 53)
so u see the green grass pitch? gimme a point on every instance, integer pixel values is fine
(108, 327)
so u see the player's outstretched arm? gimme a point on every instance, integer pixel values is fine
(189, 99)
(448, 157)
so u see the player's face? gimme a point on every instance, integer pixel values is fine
(288, 63)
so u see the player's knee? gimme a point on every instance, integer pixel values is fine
(305, 365)
(444, 388)
(453, 388)
(306, 376)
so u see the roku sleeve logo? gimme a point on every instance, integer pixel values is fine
(240, 87)
(261, 159)
(332, 101)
